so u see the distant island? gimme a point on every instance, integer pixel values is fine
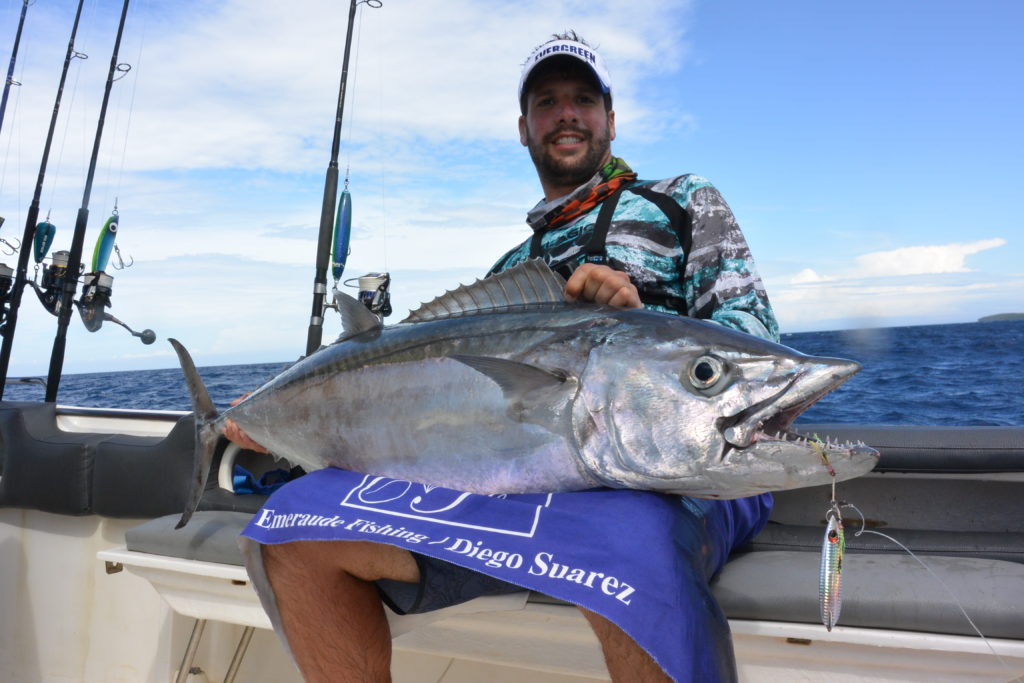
(1001, 316)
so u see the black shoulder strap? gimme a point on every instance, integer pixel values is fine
(594, 250)
(678, 218)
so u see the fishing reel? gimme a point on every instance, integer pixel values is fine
(6, 282)
(97, 286)
(51, 288)
(6, 286)
(96, 294)
(95, 297)
(375, 293)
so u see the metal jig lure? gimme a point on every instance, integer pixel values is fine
(833, 547)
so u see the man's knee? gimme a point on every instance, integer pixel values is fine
(361, 559)
(626, 660)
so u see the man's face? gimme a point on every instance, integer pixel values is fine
(567, 129)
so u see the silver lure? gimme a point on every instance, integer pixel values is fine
(833, 548)
(502, 387)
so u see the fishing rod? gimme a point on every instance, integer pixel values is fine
(10, 70)
(323, 249)
(9, 313)
(75, 257)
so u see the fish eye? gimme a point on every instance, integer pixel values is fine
(705, 372)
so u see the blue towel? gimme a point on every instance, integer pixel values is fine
(641, 559)
(245, 482)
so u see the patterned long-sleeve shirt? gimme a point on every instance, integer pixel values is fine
(716, 280)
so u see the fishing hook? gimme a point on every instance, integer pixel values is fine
(124, 68)
(119, 265)
(13, 249)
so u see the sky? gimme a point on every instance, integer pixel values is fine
(871, 152)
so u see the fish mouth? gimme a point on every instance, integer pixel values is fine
(771, 419)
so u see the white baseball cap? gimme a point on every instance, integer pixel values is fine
(567, 48)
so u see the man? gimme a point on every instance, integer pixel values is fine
(672, 245)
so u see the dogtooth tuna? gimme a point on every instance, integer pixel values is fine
(502, 387)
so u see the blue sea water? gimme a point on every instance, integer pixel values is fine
(961, 374)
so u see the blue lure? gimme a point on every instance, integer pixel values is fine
(105, 244)
(342, 230)
(42, 240)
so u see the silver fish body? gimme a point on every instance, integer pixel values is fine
(499, 387)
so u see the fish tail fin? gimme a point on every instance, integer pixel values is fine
(207, 434)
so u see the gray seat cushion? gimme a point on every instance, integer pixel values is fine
(880, 590)
(889, 591)
(211, 536)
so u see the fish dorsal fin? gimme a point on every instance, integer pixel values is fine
(355, 317)
(530, 282)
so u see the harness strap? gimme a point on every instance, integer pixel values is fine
(678, 217)
(595, 251)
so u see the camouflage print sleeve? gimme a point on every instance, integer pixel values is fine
(721, 281)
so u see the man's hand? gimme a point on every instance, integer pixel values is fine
(234, 433)
(602, 285)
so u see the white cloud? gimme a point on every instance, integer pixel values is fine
(247, 84)
(919, 282)
(809, 275)
(923, 260)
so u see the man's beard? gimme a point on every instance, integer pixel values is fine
(561, 172)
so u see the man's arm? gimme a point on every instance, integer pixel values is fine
(721, 281)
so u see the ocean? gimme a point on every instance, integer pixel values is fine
(969, 374)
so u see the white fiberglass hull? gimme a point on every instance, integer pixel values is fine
(64, 618)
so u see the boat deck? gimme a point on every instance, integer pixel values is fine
(952, 495)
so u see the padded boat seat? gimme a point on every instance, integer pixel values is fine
(43, 467)
(890, 591)
(210, 536)
(880, 590)
(1007, 546)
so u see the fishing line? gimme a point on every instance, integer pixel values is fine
(115, 134)
(10, 140)
(25, 50)
(55, 174)
(833, 549)
(353, 91)
(864, 530)
(351, 94)
(63, 140)
(92, 19)
(131, 102)
(383, 163)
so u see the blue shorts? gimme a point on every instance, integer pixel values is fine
(441, 584)
(728, 523)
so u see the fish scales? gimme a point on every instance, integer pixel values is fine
(531, 394)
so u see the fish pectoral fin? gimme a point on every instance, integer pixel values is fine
(515, 379)
(355, 317)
